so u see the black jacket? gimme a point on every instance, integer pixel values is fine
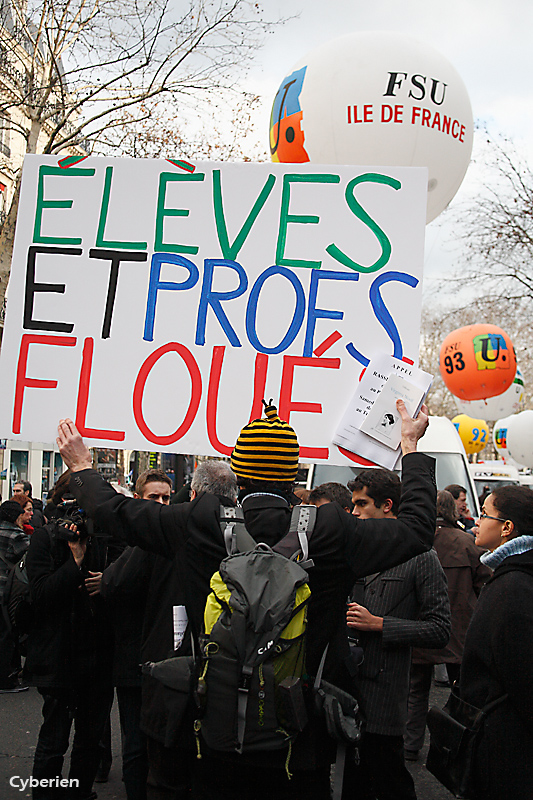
(70, 642)
(124, 588)
(142, 589)
(497, 659)
(342, 547)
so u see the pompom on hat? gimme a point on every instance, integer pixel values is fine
(267, 449)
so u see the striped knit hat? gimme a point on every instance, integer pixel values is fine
(267, 449)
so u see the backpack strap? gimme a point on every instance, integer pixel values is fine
(236, 537)
(295, 543)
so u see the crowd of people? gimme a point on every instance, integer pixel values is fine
(396, 572)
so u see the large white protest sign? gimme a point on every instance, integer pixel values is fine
(157, 302)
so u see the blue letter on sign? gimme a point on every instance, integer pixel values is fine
(155, 285)
(214, 299)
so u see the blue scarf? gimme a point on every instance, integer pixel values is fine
(520, 544)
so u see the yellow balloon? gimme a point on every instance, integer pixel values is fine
(474, 433)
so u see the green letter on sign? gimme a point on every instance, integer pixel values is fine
(100, 241)
(38, 238)
(360, 212)
(164, 247)
(285, 218)
(231, 252)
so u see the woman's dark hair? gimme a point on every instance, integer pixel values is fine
(515, 503)
(61, 487)
(446, 508)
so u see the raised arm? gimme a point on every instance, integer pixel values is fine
(150, 525)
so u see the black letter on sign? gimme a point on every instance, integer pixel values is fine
(420, 84)
(393, 82)
(32, 287)
(115, 256)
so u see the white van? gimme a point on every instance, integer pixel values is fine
(488, 475)
(441, 441)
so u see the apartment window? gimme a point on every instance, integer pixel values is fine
(5, 127)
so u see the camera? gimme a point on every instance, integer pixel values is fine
(69, 513)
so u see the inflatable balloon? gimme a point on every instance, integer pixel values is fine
(499, 436)
(501, 405)
(474, 433)
(520, 438)
(381, 99)
(477, 362)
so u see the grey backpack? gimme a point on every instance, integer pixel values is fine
(252, 650)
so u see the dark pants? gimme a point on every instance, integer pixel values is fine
(88, 708)
(134, 758)
(217, 779)
(169, 772)
(9, 657)
(381, 772)
(417, 708)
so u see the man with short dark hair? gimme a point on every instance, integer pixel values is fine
(331, 493)
(459, 495)
(25, 487)
(390, 612)
(153, 484)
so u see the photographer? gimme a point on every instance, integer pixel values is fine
(70, 650)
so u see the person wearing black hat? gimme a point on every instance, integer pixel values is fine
(13, 544)
(342, 547)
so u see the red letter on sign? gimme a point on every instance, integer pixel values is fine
(285, 395)
(260, 373)
(34, 383)
(212, 401)
(196, 392)
(83, 399)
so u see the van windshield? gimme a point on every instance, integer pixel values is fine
(451, 468)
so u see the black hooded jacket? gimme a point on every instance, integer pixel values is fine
(497, 660)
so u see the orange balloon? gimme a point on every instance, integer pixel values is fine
(477, 362)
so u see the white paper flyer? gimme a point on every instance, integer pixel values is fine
(371, 425)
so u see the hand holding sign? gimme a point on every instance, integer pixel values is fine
(73, 449)
(412, 429)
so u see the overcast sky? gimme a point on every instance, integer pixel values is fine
(489, 42)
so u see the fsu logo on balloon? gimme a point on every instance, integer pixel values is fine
(286, 135)
(477, 362)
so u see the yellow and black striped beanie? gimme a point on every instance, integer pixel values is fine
(267, 449)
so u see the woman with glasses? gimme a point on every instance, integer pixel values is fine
(498, 653)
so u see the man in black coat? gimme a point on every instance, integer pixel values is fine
(147, 597)
(69, 657)
(389, 613)
(125, 586)
(342, 547)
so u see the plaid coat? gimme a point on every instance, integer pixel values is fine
(13, 544)
(412, 598)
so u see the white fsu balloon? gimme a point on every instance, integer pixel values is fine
(499, 436)
(520, 438)
(502, 405)
(377, 99)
